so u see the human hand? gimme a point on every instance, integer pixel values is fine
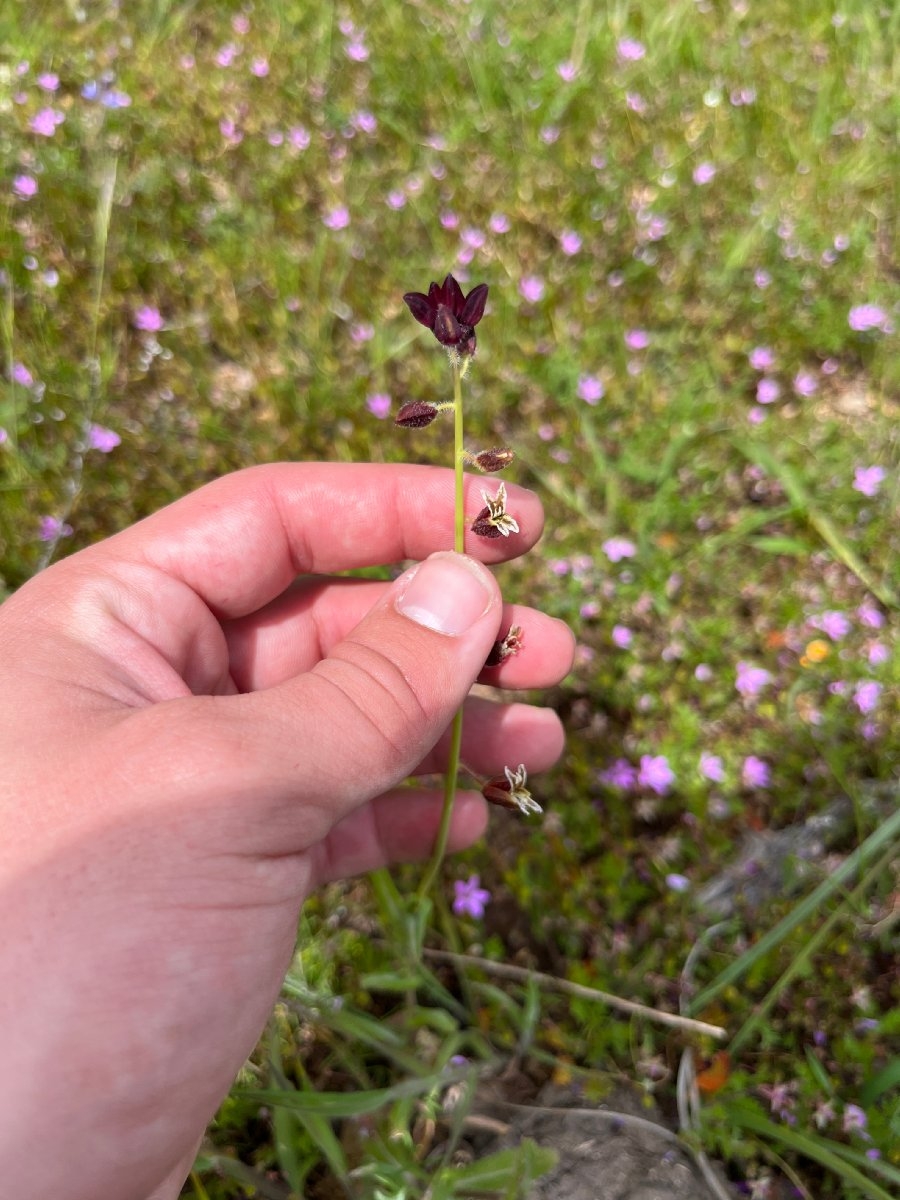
(198, 727)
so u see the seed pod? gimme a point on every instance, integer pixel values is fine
(416, 415)
(496, 459)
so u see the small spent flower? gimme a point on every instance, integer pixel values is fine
(416, 415)
(494, 521)
(506, 647)
(512, 791)
(450, 315)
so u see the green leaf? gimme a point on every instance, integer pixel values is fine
(781, 545)
(391, 981)
(886, 1079)
(335, 1105)
(521, 1164)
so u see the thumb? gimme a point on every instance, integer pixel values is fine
(365, 716)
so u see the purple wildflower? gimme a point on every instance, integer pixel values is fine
(570, 242)
(379, 404)
(868, 480)
(870, 616)
(470, 897)
(865, 317)
(337, 217)
(52, 528)
(781, 1097)
(22, 375)
(114, 98)
(655, 773)
(767, 391)
(622, 636)
(677, 883)
(878, 653)
(102, 439)
(630, 49)
(761, 358)
(751, 680)
(855, 1119)
(755, 773)
(703, 173)
(47, 81)
(617, 548)
(567, 71)
(866, 696)
(590, 388)
(356, 50)
(620, 774)
(805, 384)
(148, 319)
(45, 121)
(712, 768)
(531, 288)
(499, 223)
(637, 339)
(226, 55)
(835, 624)
(25, 186)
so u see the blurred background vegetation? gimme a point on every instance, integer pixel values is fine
(687, 216)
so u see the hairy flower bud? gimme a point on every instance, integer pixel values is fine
(416, 415)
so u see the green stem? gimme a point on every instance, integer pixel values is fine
(459, 545)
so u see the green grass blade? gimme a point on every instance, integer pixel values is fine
(882, 837)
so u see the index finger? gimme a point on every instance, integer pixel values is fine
(240, 541)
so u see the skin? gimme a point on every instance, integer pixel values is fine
(199, 725)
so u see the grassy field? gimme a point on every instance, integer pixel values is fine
(687, 216)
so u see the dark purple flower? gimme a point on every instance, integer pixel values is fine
(449, 314)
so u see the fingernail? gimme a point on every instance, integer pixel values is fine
(447, 593)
